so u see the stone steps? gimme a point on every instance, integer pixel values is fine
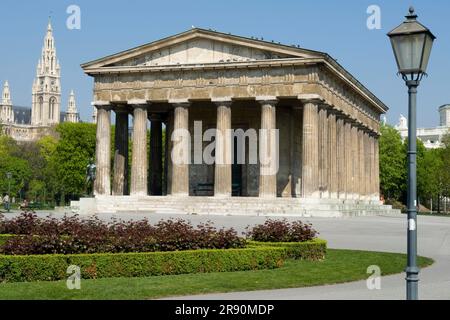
(240, 206)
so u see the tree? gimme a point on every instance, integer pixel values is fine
(69, 160)
(9, 163)
(392, 163)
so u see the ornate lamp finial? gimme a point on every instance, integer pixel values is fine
(412, 15)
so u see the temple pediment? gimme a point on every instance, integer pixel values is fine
(199, 46)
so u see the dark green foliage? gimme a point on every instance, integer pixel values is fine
(314, 250)
(94, 266)
(392, 163)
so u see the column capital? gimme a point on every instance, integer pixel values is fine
(272, 100)
(105, 105)
(311, 98)
(222, 102)
(325, 106)
(138, 103)
(185, 103)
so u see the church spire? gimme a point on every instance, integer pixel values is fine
(72, 112)
(47, 85)
(49, 26)
(6, 109)
(6, 94)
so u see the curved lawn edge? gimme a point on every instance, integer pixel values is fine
(341, 266)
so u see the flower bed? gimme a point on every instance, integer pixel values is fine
(72, 235)
(34, 249)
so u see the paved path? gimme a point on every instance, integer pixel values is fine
(364, 233)
(377, 234)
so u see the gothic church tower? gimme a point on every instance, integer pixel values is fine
(72, 112)
(6, 110)
(46, 103)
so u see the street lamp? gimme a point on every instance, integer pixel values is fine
(412, 43)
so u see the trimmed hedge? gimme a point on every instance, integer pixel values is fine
(313, 250)
(93, 266)
(257, 256)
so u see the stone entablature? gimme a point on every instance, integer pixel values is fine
(244, 83)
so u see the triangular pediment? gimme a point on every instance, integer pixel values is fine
(200, 46)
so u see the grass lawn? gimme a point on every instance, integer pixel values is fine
(340, 266)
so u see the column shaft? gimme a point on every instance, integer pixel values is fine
(342, 182)
(372, 167)
(323, 153)
(377, 168)
(223, 169)
(139, 165)
(181, 151)
(332, 156)
(367, 168)
(120, 181)
(355, 162)
(269, 149)
(103, 153)
(362, 181)
(348, 160)
(310, 165)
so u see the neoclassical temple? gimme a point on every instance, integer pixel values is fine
(328, 125)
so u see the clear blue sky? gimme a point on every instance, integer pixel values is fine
(336, 27)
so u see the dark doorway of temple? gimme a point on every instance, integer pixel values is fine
(236, 172)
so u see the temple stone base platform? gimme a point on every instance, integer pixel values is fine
(288, 207)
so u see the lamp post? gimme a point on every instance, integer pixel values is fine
(412, 43)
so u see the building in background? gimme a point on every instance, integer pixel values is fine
(25, 124)
(6, 108)
(72, 112)
(431, 137)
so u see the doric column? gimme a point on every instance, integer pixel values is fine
(156, 151)
(355, 162)
(103, 151)
(367, 168)
(310, 148)
(268, 148)
(180, 150)
(348, 159)
(332, 156)
(361, 166)
(342, 181)
(296, 155)
(223, 169)
(372, 167)
(120, 179)
(377, 168)
(323, 152)
(139, 164)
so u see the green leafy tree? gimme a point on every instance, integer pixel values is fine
(392, 163)
(10, 163)
(69, 160)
